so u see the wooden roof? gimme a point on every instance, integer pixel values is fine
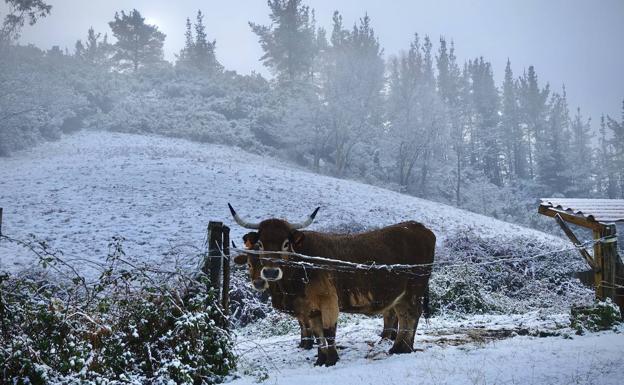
(594, 210)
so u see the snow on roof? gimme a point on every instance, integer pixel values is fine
(598, 210)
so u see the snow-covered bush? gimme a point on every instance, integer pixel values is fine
(532, 275)
(132, 325)
(602, 315)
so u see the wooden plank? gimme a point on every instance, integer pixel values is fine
(580, 221)
(588, 258)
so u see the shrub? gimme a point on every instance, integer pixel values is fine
(132, 325)
(603, 315)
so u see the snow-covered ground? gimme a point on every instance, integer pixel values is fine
(475, 351)
(160, 193)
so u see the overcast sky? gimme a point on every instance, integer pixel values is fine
(576, 42)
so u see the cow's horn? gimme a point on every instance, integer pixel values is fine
(305, 223)
(247, 225)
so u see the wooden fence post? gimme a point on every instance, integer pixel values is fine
(609, 256)
(212, 261)
(225, 294)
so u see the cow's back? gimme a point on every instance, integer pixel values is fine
(403, 243)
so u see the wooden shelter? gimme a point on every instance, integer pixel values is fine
(600, 216)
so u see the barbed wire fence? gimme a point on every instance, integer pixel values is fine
(311, 263)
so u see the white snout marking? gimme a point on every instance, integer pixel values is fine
(279, 275)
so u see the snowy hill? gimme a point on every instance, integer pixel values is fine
(160, 193)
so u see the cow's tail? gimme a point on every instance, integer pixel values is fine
(425, 303)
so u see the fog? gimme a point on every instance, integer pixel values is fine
(571, 42)
(450, 101)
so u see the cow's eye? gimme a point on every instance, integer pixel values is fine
(286, 245)
(260, 245)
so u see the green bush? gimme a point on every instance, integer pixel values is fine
(131, 326)
(603, 315)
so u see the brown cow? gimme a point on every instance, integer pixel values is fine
(308, 338)
(316, 295)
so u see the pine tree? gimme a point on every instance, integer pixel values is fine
(514, 141)
(607, 174)
(203, 57)
(138, 44)
(288, 43)
(617, 147)
(552, 147)
(185, 57)
(533, 109)
(94, 52)
(352, 80)
(581, 160)
(486, 138)
(450, 90)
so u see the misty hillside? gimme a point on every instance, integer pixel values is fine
(158, 193)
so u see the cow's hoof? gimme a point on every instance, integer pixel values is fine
(400, 349)
(306, 344)
(332, 357)
(321, 358)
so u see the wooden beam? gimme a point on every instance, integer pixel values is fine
(609, 262)
(566, 229)
(575, 219)
(600, 293)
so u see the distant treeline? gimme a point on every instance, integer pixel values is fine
(419, 122)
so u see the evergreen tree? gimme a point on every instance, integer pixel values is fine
(95, 51)
(607, 175)
(450, 89)
(616, 142)
(138, 44)
(185, 57)
(203, 57)
(485, 135)
(552, 147)
(18, 13)
(533, 109)
(353, 78)
(513, 138)
(581, 160)
(288, 43)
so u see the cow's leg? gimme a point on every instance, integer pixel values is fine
(408, 313)
(391, 323)
(316, 323)
(307, 337)
(329, 315)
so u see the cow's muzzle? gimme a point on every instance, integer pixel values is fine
(271, 273)
(260, 284)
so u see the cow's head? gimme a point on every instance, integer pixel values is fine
(270, 235)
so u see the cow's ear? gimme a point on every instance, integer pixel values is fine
(250, 239)
(240, 259)
(297, 237)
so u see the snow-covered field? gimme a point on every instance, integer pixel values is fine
(473, 351)
(160, 193)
